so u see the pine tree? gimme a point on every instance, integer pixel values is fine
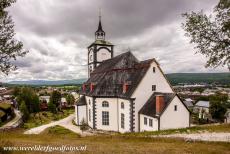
(55, 98)
(24, 110)
(10, 48)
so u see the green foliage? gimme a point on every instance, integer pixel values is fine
(5, 106)
(218, 106)
(217, 110)
(55, 98)
(211, 34)
(52, 107)
(45, 117)
(24, 111)
(2, 113)
(16, 91)
(58, 130)
(30, 98)
(10, 48)
(70, 99)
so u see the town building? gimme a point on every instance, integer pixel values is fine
(202, 108)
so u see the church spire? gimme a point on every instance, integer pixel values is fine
(100, 34)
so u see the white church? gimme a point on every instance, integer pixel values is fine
(124, 94)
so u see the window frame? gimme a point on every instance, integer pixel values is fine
(122, 105)
(154, 69)
(175, 107)
(105, 118)
(150, 122)
(154, 87)
(105, 104)
(122, 120)
(145, 121)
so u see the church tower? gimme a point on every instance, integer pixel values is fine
(99, 50)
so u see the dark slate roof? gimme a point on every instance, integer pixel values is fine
(81, 101)
(111, 74)
(149, 108)
(99, 29)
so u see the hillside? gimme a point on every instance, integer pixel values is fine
(47, 82)
(191, 78)
(174, 78)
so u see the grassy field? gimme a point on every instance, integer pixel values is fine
(195, 129)
(58, 136)
(45, 117)
(5, 106)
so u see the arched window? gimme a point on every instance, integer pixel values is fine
(105, 104)
(122, 105)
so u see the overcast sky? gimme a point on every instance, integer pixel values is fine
(57, 33)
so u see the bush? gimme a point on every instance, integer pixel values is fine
(52, 107)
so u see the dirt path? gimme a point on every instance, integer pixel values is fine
(14, 122)
(206, 136)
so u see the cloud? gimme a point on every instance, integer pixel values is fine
(57, 34)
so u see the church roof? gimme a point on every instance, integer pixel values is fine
(101, 42)
(81, 101)
(110, 76)
(149, 108)
(99, 29)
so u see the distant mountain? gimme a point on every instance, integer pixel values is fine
(174, 78)
(47, 82)
(192, 78)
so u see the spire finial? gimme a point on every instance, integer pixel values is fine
(99, 13)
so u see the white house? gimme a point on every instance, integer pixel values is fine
(202, 107)
(124, 94)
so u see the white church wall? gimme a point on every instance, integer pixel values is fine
(103, 54)
(175, 119)
(147, 127)
(144, 89)
(126, 112)
(80, 112)
(113, 111)
(76, 115)
(89, 101)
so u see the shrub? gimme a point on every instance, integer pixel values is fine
(52, 107)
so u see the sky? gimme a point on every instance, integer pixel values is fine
(57, 33)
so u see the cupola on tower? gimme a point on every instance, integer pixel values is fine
(99, 50)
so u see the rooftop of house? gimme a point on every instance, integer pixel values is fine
(149, 108)
(189, 100)
(188, 103)
(108, 78)
(81, 101)
(203, 104)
